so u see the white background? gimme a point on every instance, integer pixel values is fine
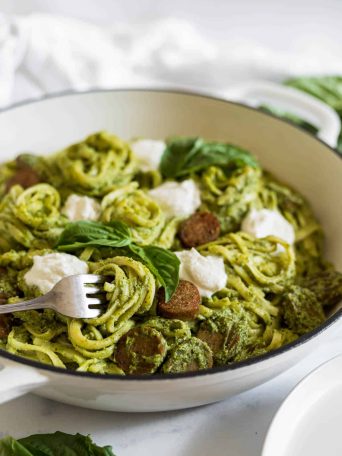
(280, 25)
(204, 43)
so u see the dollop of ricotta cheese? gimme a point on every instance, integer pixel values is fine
(49, 269)
(206, 272)
(148, 152)
(79, 207)
(266, 222)
(177, 199)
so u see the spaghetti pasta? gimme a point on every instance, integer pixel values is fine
(137, 210)
(229, 194)
(263, 305)
(97, 164)
(30, 218)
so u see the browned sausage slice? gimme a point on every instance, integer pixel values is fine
(140, 351)
(191, 355)
(200, 228)
(184, 303)
(3, 295)
(5, 326)
(25, 175)
(226, 334)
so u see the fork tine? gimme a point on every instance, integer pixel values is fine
(90, 290)
(95, 301)
(92, 278)
(93, 313)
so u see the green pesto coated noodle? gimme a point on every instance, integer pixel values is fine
(296, 210)
(229, 194)
(274, 292)
(38, 207)
(130, 290)
(95, 165)
(174, 331)
(256, 261)
(19, 341)
(137, 210)
(149, 179)
(30, 218)
(43, 325)
(143, 215)
(254, 269)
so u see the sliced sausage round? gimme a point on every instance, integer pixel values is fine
(3, 297)
(5, 326)
(140, 351)
(200, 228)
(184, 303)
(173, 330)
(225, 334)
(26, 177)
(191, 355)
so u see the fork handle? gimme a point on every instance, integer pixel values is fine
(32, 304)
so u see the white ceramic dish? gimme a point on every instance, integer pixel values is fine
(309, 420)
(293, 155)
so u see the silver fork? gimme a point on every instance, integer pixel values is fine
(77, 296)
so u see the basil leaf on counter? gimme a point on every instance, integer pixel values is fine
(327, 89)
(184, 156)
(291, 117)
(163, 263)
(57, 444)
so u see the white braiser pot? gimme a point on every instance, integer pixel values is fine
(290, 153)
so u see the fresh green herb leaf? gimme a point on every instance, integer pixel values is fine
(339, 141)
(11, 447)
(57, 444)
(327, 89)
(83, 234)
(177, 154)
(162, 263)
(184, 156)
(291, 117)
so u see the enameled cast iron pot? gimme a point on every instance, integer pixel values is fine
(290, 153)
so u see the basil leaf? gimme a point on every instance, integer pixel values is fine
(327, 89)
(290, 117)
(178, 151)
(339, 141)
(11, 447)
(85, 234)
(184, 156)
(163, 263)
(57, 444)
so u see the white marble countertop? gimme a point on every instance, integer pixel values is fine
(234, 427)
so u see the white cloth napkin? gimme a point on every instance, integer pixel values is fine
(42, 53)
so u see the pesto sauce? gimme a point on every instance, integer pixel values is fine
(270, 298)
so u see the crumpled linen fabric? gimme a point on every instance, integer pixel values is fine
(42, 54)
